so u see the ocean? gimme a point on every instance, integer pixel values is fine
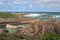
(44, 15)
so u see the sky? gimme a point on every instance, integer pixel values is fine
(29, 5)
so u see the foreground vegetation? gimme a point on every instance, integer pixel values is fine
(47, 36)
(7, 15)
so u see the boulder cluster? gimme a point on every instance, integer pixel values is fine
(42, 27)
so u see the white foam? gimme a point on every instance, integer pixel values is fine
(57, 16)
(34, 15)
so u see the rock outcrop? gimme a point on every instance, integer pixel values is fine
(41, 27)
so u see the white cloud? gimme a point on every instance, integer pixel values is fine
(41, 3)
(19, 2)
(31, 3)
(47, 3)
(22, 2)
(1, 2)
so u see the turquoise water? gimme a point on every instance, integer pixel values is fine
(12, 30)
(3, 26)
(21, 24)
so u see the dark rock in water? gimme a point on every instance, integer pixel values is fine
(6, 31)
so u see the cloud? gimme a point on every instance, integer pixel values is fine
(1, 2)
(39, 3)
(15, 3)
(47, 3)
(31, 3)
(18, 1)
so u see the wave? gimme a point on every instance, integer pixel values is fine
(58, 16)
(34, 15)
(43, 15)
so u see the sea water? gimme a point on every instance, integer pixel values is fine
(44, 15)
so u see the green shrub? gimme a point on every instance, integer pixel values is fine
(50, 36)
(8, 36)
(7, 15)
(11, 36)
